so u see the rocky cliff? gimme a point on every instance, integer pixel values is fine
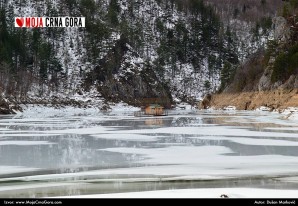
(269, 77)
(123, 76)
(274, 99)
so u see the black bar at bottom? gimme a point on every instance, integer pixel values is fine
(92, 201)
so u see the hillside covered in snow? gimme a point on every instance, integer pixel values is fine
(129, 50)
(269, 77)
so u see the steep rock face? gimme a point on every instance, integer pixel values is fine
(283, 38)
(282, 35)
(269, 78)
(128, 77)
(256, 74)
(281, 30)
(265, 80)
(4, 107)
(8, 106)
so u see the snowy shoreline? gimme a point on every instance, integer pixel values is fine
(49, 110)
(82, 106)
(44, 111)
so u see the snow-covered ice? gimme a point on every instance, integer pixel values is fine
(128, 137)
(14, 169)
(88, 146)
(24, 143)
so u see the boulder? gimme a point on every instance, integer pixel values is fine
(281, 29)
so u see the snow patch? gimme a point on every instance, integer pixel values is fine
(25, 143)
(263, 108)
(230, 108)
(128, 137)
(14, 169)
(40, 111)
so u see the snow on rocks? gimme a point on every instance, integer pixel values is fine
(263, 108)
(184, 106)
(291, 113)
(42, 111)
(121, 106)
(230, 108)
(293, 116)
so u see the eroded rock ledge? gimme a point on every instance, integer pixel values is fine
(275, 99)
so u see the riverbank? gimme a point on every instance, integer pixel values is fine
(75, 104)
(276, 99)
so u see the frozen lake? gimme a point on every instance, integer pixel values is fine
(92, 153)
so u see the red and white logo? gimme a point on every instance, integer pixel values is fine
(33, 22)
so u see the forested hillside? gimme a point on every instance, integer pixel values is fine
(270, 76)
(130, 49)
(277, 64)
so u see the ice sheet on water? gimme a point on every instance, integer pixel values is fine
(193, 159)
(24, 143)
(14, 169)
(282, 128)
(128, 137)
(175, 154)
(207, 131)
(288, 179)
(29, 134)
(203, 155)
(199, 131)
(251, 141)
(4, 129)
(35, 186)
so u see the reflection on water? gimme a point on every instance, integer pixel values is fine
(67, 152)
(73, 152)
